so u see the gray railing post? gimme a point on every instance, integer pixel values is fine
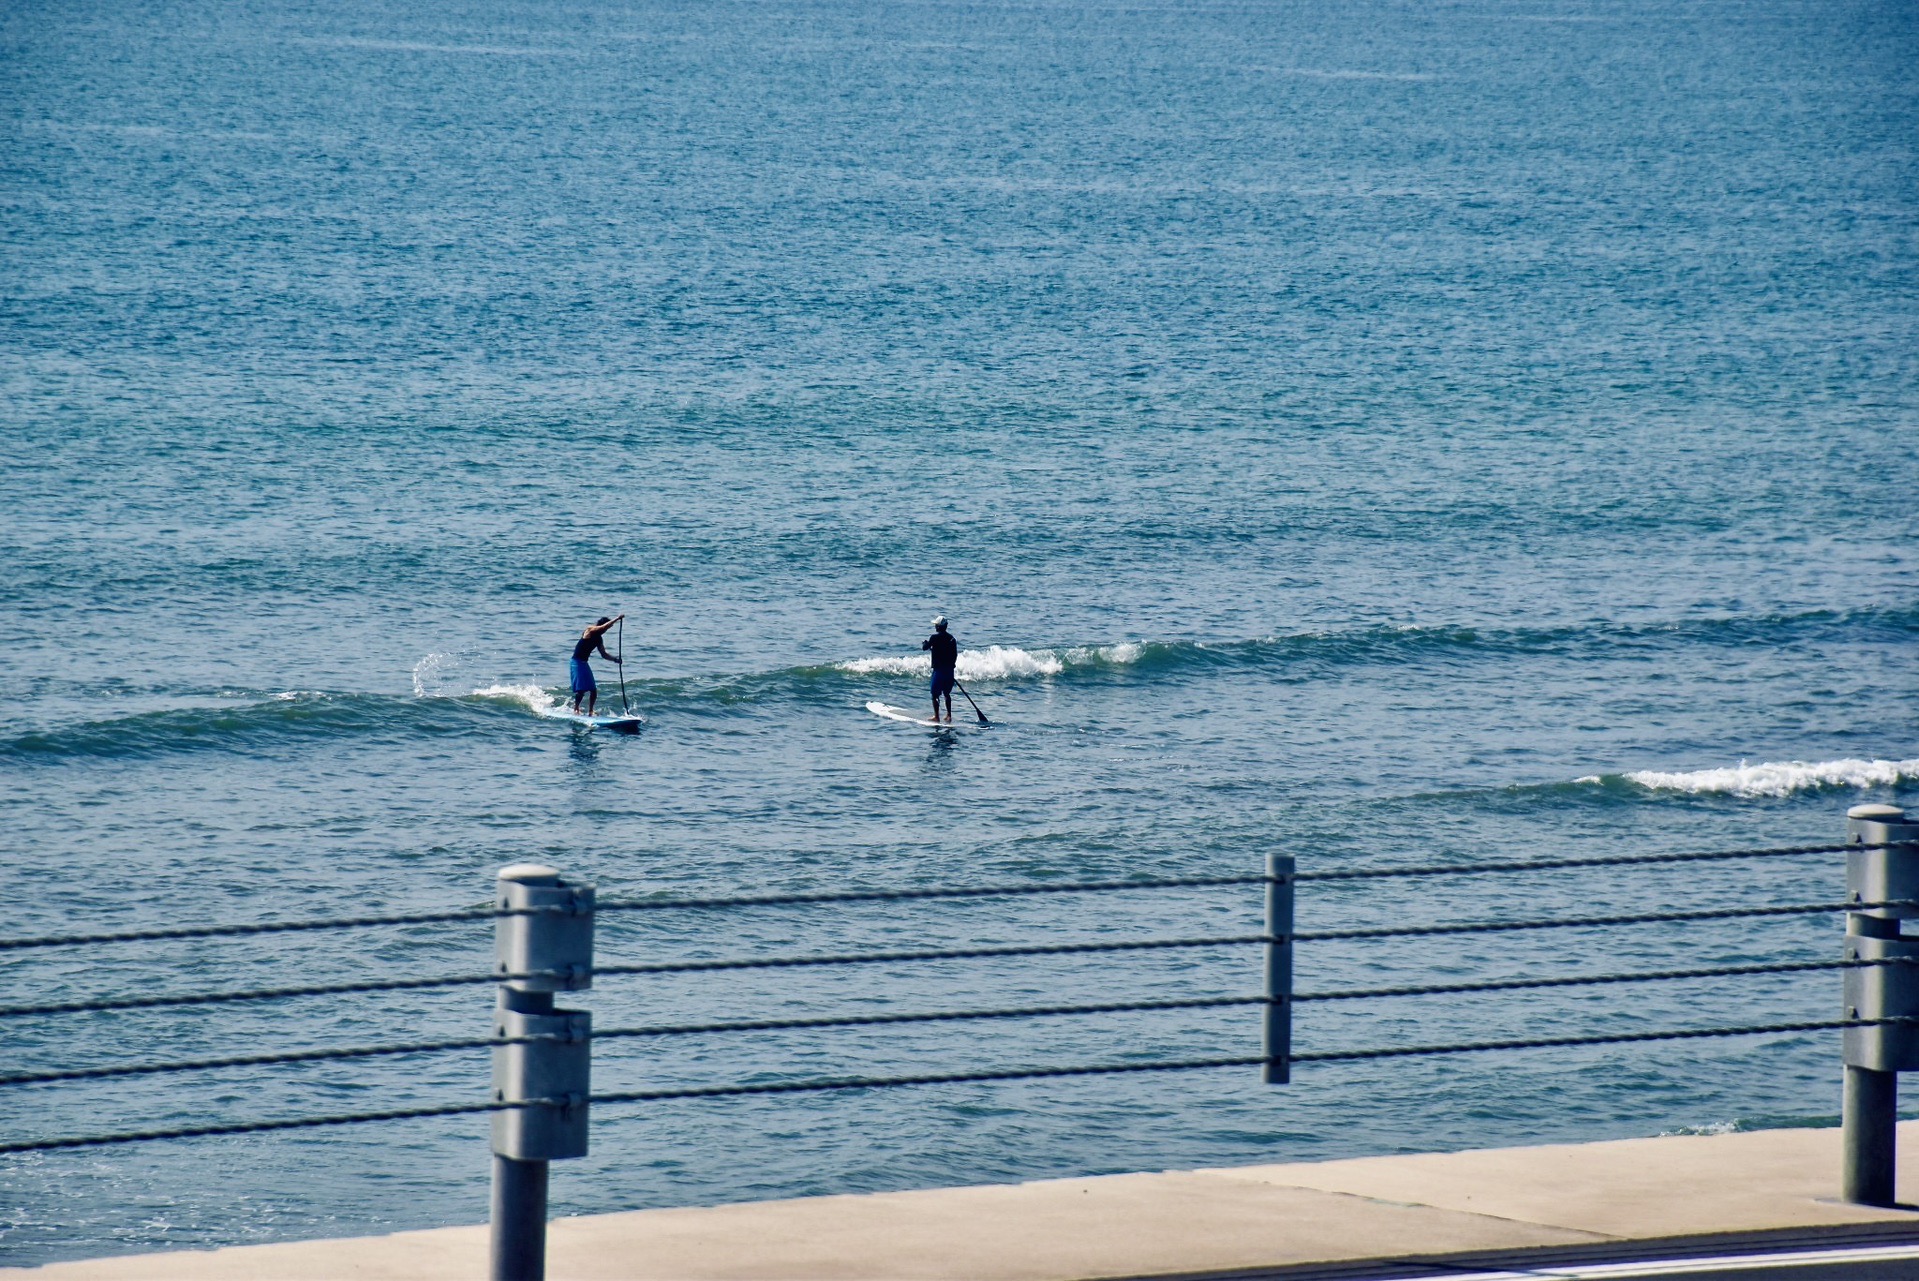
(543, 945)
(1884, 869)
(1277, 1041)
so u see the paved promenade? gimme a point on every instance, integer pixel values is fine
(1721, 1193)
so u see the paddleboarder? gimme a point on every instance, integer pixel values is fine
(945, 652)
(594, 638)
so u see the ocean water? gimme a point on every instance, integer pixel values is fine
(1380, 432)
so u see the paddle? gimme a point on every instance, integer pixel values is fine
(969, 698)
(620, 663)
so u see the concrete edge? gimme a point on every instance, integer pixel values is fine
(1433, 1267)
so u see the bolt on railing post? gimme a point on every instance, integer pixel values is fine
(1883, 869)
(543, 943)
(1277, 1040)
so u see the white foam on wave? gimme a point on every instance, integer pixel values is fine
(1113, 655)
(995, 662)
(999, 662)
(1783, 779)
(532, 697)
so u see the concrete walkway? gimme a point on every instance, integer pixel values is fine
(1272, 1220)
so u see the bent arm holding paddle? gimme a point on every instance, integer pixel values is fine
(592, 640)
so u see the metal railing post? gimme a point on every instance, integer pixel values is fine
(543, 945)
(1277, 1040)
(1883, 869)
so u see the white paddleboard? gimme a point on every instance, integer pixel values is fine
(618, 724)
(900, 714)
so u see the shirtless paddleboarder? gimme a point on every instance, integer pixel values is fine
(593, 638)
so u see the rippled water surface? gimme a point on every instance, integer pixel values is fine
(1375, 432)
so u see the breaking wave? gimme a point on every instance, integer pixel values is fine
(539, 701)
(999, 662)
(1774, 780)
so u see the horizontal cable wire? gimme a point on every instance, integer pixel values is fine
(263, 1060)
(1578, 980)
(267, 927)
(1121, 1007)
(628, 1096)
(889, 895)
(261, 994)
(1086, 887)
(929, 1078)
(931, 954)
(1552, 864)
(955, 1078)
(627, 905)
(688, 1029)
(1570, 922)
(258, 1127)
(942, 954)
(933, 1016)
(1609, 1038)
(944, 1016)
(934, 1078)
(936, 954)
(931, 892)
(1233, 940)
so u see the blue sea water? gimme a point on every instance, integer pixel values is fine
(1380, 432)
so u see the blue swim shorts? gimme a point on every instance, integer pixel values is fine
(583, 678)
(942, 684)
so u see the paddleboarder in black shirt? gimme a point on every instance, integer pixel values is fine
(945, 652)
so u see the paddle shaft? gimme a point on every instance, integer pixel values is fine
(620, 663)
(969, 698)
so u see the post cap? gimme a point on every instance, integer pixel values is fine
(1869, 813)
(531, 874)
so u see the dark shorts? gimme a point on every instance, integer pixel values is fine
(942, 684)
(583, 678)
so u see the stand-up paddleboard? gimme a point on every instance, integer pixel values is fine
(618, 724)
(905, 717)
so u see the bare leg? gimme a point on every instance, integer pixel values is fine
(592, 701)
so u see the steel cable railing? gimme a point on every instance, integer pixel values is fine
(579, 976)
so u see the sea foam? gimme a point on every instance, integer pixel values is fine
(532, 697)
(1768, 779)
(1000, 662)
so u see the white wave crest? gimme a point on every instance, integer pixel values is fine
(995, 662)
(1001, 662)
(1114, 655)
(532, 697)
(1779, 779)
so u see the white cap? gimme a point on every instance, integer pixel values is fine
(939, 620)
